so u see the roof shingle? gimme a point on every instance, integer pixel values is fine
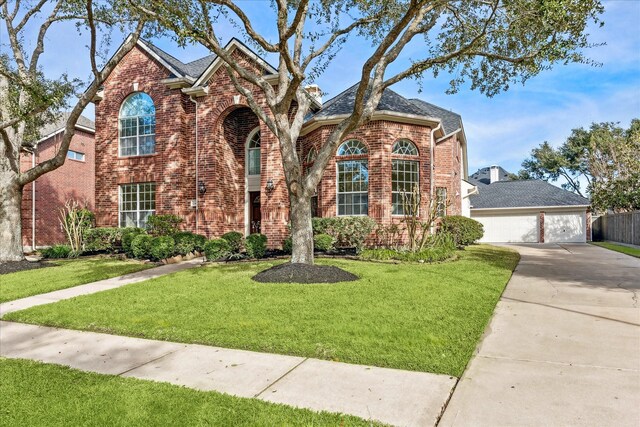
(523, 194)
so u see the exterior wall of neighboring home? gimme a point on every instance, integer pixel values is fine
(75, 179)
(224, 122)
(466, 189)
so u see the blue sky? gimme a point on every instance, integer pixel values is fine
(500, 130)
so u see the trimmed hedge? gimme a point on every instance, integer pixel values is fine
(141, 246)
(323, 242)
(465, 231)
(187, 242)
(348, 231)
(162, 247)
(163, 225)
(103, 239)
(216, 249)
(287, 245)
(256, 245)
(235, 239)
(128, 234)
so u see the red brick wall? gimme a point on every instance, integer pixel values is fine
(224, 122)
(73, 180)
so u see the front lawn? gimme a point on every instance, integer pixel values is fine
(413, 316)
(619, 248)
(64, 274)
(35, 394)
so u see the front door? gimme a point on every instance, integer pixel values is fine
(254, 212)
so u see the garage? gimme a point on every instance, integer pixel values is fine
(529, 212)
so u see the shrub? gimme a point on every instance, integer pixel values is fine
(235, 240)
(464, 231)
(348, 231)
(103, 239)
(162, 247)
(216, 249)
(57, 251)
(323, 242)
(187, 242)
(440, 247)
(128, 234)
(75, 221)
(287, 245)
(163, 225)
(256, 245)
(141, 246)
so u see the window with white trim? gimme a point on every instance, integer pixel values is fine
(253, 153)
(404, 177)
(75, 155)
(353, 179)
(441, 201)
(137, 125)
(136, 203)
(404, 147)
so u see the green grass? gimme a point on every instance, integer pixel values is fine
(619, 248)
(64, 274)
(35, 394)
(413, 316)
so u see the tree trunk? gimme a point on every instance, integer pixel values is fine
(301, 230)
(10, 220)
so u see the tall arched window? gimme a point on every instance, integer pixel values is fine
(404, 175)
(253, 153)
(353, 179)
(137, 125)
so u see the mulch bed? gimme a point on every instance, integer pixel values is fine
(303, 273)
(14, 266)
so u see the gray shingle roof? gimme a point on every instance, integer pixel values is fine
(171, 60)
(483, 176)
(391, 101)
(61, 122)
(522, 194)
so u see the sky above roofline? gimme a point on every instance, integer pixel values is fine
(501, 130)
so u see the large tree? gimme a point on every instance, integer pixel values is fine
(605, 157)
(30, 98)
(489, 43)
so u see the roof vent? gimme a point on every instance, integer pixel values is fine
(494, 174)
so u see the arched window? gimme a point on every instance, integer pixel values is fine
(405, 176)
(137, 125)
(253, 152)
(404, 146)
(353, 179)
(311, 155)
(352, 147)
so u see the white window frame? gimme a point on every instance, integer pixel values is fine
(412, 183)
(137, 127)
(137, 210)
(441, 205)
(338, 192)
(76, 155)
(250, 150)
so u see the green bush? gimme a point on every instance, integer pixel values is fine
(216, 249)
(103, 239)
(128, 234)
(235, 240)
(348, 231)
(56, 251)
(465, 231)
(141, 246)
(440, 248)
(163, 225)
(323, 242)
(162, 247)
(256, 245)
(287, 245)
(187, 242)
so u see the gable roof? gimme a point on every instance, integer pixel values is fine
(450, 121)
(524, 194)
(483, 176)
(60, 123)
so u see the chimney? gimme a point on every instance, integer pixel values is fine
(315, 92)
(494, 174)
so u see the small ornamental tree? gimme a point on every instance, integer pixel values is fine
(29, 98)
(490, 43)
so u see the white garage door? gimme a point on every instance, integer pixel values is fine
(509, 228)
(565, 227)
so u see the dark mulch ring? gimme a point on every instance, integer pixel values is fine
(303, 273)
(14, 266)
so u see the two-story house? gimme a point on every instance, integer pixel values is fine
(174, 137)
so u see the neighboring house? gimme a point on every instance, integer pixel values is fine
(177, 138)
(75, 179)
(527, 210)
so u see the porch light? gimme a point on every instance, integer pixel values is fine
(270, 186)
(201, 188)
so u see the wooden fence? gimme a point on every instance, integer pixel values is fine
(621, 227)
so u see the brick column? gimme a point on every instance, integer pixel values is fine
(541, 236)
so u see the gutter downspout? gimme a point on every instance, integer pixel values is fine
(197, 176)
(433, 163)
(33, 204)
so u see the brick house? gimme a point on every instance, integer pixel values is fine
(174, 137)
(75, 179)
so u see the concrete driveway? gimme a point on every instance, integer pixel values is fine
(563, 347)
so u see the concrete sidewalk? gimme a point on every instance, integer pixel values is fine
(563, 347)
(392, 396)
(102, 285)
